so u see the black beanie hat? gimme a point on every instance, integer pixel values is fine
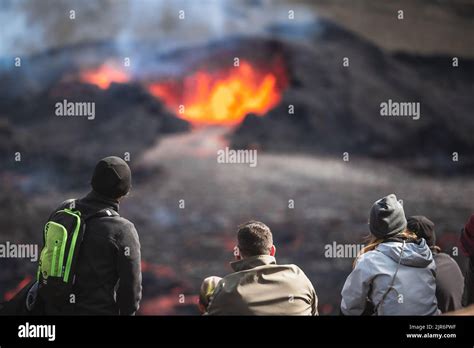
(112, 177)
(387, 217)
(423, 228)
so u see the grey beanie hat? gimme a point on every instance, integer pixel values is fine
(387, 217)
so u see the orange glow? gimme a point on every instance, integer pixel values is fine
(12, 293)
(104, 76)
(224, 96)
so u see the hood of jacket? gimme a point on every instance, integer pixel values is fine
(412, 254)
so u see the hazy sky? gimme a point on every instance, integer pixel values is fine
(30, 25)
(429, 26)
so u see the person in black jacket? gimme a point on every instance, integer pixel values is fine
(108, 274)
(449, 278)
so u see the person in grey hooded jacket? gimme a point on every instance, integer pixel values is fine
(395, 273)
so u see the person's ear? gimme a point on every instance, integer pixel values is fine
(273, 250)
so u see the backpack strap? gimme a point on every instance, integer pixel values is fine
(392, 283)
(72, 204)
(107, 212)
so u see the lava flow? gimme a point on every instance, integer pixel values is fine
(223, 96)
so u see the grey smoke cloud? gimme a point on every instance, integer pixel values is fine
(30, 26)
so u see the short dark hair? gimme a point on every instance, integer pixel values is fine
(254, 238)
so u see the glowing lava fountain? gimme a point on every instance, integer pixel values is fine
(104, 75)
(208, 96)
(223, 96)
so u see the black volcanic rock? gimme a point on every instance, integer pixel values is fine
(337, 109)
(127, 120)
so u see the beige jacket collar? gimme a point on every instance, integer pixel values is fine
(252, 262)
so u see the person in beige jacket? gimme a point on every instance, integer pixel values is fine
(259, 286)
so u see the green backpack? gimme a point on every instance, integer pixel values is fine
(63, 235)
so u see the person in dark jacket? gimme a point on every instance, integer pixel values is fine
(108, 274)
(467, 244)
(259, 286)
(449, 278)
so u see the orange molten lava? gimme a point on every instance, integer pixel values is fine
(104, 76)
(225, 96)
